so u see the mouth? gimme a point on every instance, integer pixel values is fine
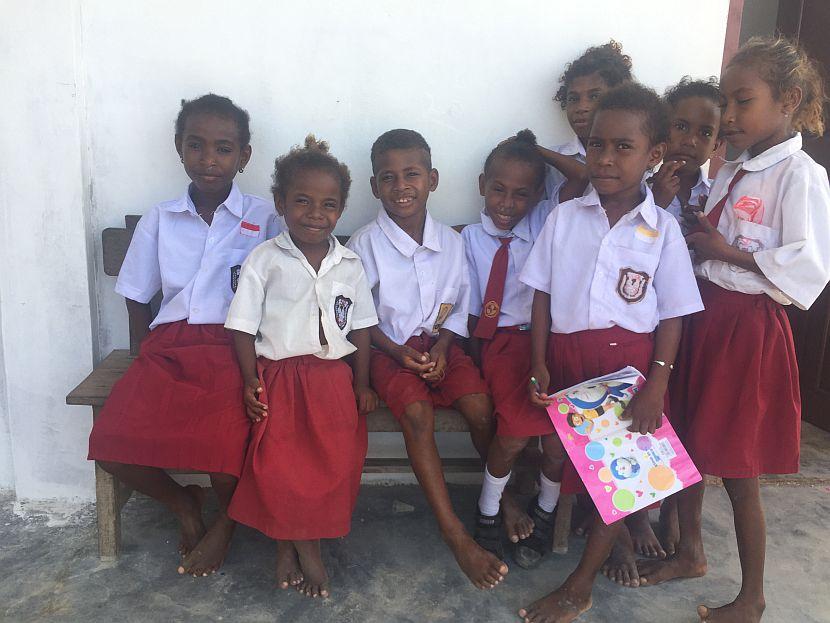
(726, 134)
(502, 219)
(210, 179)
(404, 202)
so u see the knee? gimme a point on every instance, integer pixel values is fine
(418, 420)
(477, 410)
(510, 447)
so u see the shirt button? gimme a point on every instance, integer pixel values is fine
(210, 239)
(195, 310)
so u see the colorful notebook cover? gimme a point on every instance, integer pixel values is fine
(624, 472)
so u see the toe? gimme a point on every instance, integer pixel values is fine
(703, 613)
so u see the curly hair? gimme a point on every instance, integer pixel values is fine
(607, 60)
(785, 66)
(634, 97)
(220, 106)
(522, 148)
(400, 139)
(688, 87)
(313, 154)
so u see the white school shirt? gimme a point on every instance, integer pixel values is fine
(701, 189)
(416, 288)
(283, 301)
(194, 264)
(780, 212)
(481, 242)
(632, 275)
(553, 177)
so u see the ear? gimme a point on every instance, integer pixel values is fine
(373, 182)
(656, 154)
(279, 203)
(791, 98)
(433, 180)
(719, 142)
(178, 142)
(245, 156)
(481, 184)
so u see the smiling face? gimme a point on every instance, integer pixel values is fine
(403, 182)
(510, 189)
(584, 93)
(693, 132)
(311, 206)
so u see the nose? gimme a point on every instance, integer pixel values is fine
(728, 113)
(606, 156)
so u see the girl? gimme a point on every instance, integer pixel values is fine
(302, 305)
(177, 406)
(763, 243)
(586, 321)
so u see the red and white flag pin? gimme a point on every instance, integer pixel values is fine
(249, 229)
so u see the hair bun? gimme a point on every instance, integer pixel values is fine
(525, 136)
(312, 144)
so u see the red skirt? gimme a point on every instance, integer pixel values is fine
(576, 357)
(399, 387)
(505, 365)
(303, 466)
(735, 392)
(178, 406)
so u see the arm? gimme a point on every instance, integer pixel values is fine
(539, 335)
(243, 344)
(367, 399)
(709, 244)
(405, 356)
(575, 172)
(665, 184)
(140, 318)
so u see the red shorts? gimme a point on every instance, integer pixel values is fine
(505, 365)
(302, 470)
(735, 393)
(399, 387)
(178, 406)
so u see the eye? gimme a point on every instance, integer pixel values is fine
(301, 201)
(572, 98)
(623, 145)
(744, 101)
(594, 144)
(386, 178)
(193, 145)
(679, 125)
(594, 96)
(413, 174)
(707, 133)
(330, 205)
(224, 150)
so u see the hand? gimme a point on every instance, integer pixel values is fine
(411, 359)
(665, 184)
(645, 411)
(255, 409)
(367, 399)
(708, 243)
(538, 394)
(689, 212)
(438, 356)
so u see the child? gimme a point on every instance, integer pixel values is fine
(608, 268)
(416, 269)
(681, 186)
(598, 69)
(302, 305)
(177, 406)
(764, 243)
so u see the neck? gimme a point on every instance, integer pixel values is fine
(313, 252)
(208, 202)
(621, 203)
(783, 134)
(412, 225)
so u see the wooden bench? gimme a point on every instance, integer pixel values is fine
(111, 494)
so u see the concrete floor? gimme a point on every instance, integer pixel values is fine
(394, 568)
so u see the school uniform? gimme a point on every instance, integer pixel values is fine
(609, 287)
(553, 177)
(697, 197)
(740, 415)
(504, 320)
(303, 465)
(178, 406)
(417, 290)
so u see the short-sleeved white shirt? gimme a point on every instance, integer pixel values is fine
(554, 178)
(699, 191)
(283, 301)
(632, 275)
(416, 288)
(780, 212)
(481, 242)
(194, 264)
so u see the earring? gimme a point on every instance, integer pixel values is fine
(786, 114)
(182, 159)
(241, 170)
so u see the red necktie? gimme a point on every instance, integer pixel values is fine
(488, 322)
(714, 215)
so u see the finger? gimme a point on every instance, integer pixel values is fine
(673, 166)
(704, 222)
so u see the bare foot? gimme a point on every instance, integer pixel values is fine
(739, 611)
(517, 524)
(672, 568)
(289, 572)
(561, 606)
(584, 516)
(483, 568)
(643, 539)
(189, 514)
(210, 552)
(315, 582)
(621, 566)
(669, 528)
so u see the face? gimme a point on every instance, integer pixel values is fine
(510, 189)
(211, 151)
(311, 206)
(693, 132)
(619, 152)
(403, 182)
(753, 118)
(577, 419)
(581, 101)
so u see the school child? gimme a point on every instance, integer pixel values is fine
(178, 405)
(585, 80)
(609, 268)
(302, 305)
(497, 247)
(681, 186)
(763, 243)
(420, 283)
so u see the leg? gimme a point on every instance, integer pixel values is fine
(315, 582)
(621, 566)
(500, 459)
(184, 502)
(289, 572)
(669, 528)
(750, 529)
(477, 410)
(418, 424)
(210, 552)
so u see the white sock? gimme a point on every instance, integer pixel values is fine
(491, 490)
(549, 493)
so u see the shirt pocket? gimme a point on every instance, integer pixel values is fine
(235, 259)
(342, 305)
(634, 274)
(752, 237)
(445, 302)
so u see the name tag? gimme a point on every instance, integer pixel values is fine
(249, 229)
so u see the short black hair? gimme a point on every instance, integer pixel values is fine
(220, 106)
(688, 87)
(522, 148)
(315, 155)
(634, 97)
(400, 139)
(607, 60)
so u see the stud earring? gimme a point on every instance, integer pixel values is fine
(241, 170)
(182, 159)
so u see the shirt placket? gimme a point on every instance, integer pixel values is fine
(209, 241)
(601, 283)
(426, 285)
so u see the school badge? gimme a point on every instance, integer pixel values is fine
(632, 285)
(341, 310)
(235, 276)
(443, 312)
(491, 309)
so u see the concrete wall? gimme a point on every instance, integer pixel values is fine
(95, 87)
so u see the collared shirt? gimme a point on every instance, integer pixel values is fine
(194, 264)
(780, 212)
(632, 275)
(481, 241)
(700, 191)
(416, 288)
(283, 301)
(554, 178)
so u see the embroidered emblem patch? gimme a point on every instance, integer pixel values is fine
(646, 234)
(491, 309)
(443, 313)
(632, 285)
(249, 229)
(341, 310)
(749, 209)
(235, 276)
(749, 245)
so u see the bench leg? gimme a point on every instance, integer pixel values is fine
(108, 506)
(562, 524)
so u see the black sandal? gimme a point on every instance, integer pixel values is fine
(488, 533)
(529, 551)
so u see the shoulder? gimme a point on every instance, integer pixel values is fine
(365, 234)
(263, 254)
(801, 165)
(473, 231)
(258, 207)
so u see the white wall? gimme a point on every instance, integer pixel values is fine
(99, 87)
